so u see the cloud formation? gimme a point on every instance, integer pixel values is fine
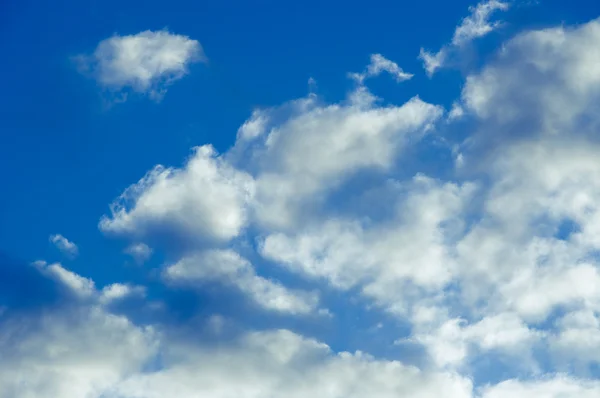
(485, 276)
(147, 62)
(228, 267)
(206, 201)
(477, 24)
(67, 247)
(381, 64)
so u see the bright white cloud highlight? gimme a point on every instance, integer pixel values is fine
(147, 62)
(319, 147)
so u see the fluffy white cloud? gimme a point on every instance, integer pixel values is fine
(531, 245)
(71, 352)
(576, 344)
(381, 64)
(67, 247)
(476, 25)
(452, 342)
(412, 250)
(497, 262)
(543, 80)
(300, 160)
(206, 200)
(146, 62)
(281, 363)
(81, 350)
(226, 266)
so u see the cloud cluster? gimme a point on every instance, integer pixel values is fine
(228, 267)
(492, 265)
(83, 350)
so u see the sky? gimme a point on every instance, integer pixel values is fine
(329, 199)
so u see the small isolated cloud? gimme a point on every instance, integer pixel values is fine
(474, 26)
(73, 283)
(381, 64)
(119, 291)
(147, 62)
(140, 252)
(67, 247)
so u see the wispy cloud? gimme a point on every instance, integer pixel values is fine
(381, 64)
(67, 247)
(140, 252)
(476, 25)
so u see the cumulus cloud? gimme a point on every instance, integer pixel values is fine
(69, 348)
(75, 353)
(348, 254)
(226, 266)
(381, 64)
(492, 265)
(204, 201)
(477, 24)
(67, 247)
(147, 62)
(279, 363)
(83, 350)
(317, 147)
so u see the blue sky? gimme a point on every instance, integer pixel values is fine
(263, 200)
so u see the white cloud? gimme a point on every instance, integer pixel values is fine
(381, 64)
(410, 250)
(281, 363)
(67, 247)
(75, 284)
(541, 79)
(478, 23)
(226, 266)
(82, 350)
(140, 252)
(474, 26)
(70, 353)
(309, 154)
(480, 262)
(147, 62)
(79, 285)
(452, 342)
(119, 291)
(206, 200)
